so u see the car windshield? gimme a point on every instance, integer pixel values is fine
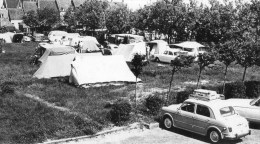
(188, 49)
(227, 111)
(255, 102)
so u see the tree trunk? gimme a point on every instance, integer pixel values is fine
(135, 92)
(225, 76)
(244, 74)
(199, 78)
(168, 96)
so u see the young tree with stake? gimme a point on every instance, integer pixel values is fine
(177, 64)
(137, 68)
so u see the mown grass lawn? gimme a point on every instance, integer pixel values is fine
(24, 120)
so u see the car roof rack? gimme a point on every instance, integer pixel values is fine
(205, 95)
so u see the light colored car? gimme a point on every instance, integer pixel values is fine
(206, 114)
(248, 108)
(167, 56)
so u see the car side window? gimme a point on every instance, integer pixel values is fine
(189, 107)
(257, 103)
(170, 53)
(165, 52)
(203, 110)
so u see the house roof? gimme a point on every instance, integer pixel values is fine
(63, 4)
(77, 3)
(12, 3)
(48, 4)
(29, 6)
(15, 14)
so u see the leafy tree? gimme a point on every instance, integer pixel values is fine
(70, 17)
(43, 19)
(177, 64)
(92, 14)
(226, 55)
(204, 60)
(247, 55)
(137, 68)
(118, 19)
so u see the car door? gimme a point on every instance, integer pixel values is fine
(185, 115)
(251, 112)
(163, 56)
(202, 119)
(169, 57)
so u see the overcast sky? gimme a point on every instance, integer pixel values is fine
(136, 4)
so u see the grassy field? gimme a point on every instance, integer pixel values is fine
(24, 120)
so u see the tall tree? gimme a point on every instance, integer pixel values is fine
(204, 60)
(177, 64)
(247, 55)
(92, 14)
(118, 19)
(137, 68)
(226, 55)
(43, 19)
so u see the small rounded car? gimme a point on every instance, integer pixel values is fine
(205, 113)
(167, 56)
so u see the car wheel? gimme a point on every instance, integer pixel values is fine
(214, 136)
(167, 122)
(157, 59)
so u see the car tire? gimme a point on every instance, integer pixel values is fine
(157, 59)
(167, 122)
(214, 136)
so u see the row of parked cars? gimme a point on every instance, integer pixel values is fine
(206, 113)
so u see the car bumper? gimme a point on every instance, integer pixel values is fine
(236, 136)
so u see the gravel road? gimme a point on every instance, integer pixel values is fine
(161, 136)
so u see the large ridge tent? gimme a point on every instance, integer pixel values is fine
(59, 65)
(7, 37)
(97, 70)
(129, 50)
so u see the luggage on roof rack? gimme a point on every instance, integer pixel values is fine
(206, 95)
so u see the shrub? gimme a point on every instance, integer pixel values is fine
(235, 90)
(217, 88)
(120, 112)
(252, 89)
(154, 103)
(7, 87)
(183, 95)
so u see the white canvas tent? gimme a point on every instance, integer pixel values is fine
(158, 46)
(59, 65)
(7, 37)
(96, 70)
(54, 49)
(75, 40)
(189, 44)
(129, 50)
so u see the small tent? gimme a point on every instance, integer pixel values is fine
(6, 37)
(129, 50)
(97, 70)
(58, 65)
(52, 49)
(189, 44)
(158, 46)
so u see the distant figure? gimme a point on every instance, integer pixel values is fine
(80, 46)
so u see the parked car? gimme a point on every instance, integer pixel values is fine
(167, 56)
(110, 49)
(206, 114)
(248, 108)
